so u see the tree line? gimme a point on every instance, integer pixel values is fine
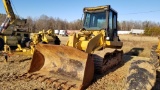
(45, 22)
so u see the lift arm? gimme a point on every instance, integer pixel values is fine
(10, 15)
(9, 10)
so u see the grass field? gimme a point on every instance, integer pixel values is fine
(138, 45)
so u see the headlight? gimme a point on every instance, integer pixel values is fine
(107, 38)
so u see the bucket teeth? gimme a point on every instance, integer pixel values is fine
(38, 77)
(51, 80)
(45, 79)
(55, 83)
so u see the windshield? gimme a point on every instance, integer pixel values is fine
(95, 20)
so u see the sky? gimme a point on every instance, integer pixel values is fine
(70, 10)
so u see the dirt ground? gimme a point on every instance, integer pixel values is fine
(19, 64)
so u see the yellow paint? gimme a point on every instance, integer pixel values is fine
(9, 10)
(82, 45)
(158, 48)
(95, 8)
(108, 43)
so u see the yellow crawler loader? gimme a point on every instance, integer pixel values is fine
(93, 50)
(45, 37)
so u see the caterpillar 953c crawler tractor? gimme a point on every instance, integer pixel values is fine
(95, 49)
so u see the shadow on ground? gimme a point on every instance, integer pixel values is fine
(135, 51)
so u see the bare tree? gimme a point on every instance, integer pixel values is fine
(2, 18)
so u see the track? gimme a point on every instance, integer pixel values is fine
(115, 78)
(155, 61)
(106, 59)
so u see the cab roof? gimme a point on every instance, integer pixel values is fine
(98, 8)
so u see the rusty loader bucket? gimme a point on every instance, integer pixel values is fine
(64, 63)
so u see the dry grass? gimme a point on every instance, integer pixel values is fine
(138, 38)
(138, 45)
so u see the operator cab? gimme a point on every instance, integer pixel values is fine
(101, 18)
